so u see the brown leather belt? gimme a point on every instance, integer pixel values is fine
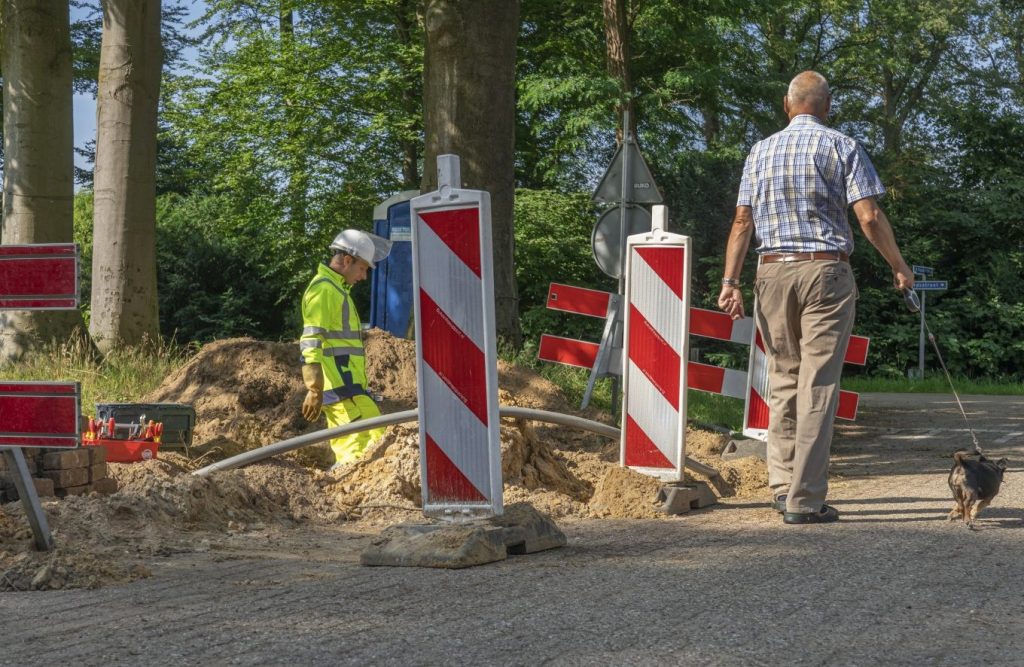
(805, 256)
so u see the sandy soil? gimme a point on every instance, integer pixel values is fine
(247, 394)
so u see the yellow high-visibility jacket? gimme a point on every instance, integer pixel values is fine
(332, 336)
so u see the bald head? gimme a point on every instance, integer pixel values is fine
(808, 94)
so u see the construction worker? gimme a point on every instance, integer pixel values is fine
(334, 366)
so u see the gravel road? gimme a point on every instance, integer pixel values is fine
(892, 583)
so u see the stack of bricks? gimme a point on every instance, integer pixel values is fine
(61, 472)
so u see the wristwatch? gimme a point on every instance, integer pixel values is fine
(731, 282)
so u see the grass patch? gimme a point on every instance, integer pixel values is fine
(714, 409)
(121, 376)
(935, 383)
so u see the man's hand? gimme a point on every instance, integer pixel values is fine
(903, 277)
(313, 378)
(731, 301)
(731, 298)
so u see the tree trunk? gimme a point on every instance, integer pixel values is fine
(124, 298)
(469, 111)
(38, 140)
(618, 55)
(412, 96)
(297, 187)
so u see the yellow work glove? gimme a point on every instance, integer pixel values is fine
(313, 378)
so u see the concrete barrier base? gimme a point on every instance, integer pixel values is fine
(737, 449)
(520, 530)
(680, 498)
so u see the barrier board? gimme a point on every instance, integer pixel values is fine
(655, 345)
(456, 348)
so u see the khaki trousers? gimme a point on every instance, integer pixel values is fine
(805, 313)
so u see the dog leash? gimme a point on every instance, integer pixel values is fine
(914, 304)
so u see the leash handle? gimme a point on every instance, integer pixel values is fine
(910, 298)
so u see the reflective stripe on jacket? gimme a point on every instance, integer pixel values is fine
(331, 335)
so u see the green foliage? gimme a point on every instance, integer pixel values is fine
(217, 271)
(308, 112)
(221, 271)
(82, 235)
(705, 408)
(294, 124)
(553, 245)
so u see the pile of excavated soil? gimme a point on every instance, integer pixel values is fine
(247, 394)
(158, 509)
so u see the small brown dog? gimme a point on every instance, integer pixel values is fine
(974, 483)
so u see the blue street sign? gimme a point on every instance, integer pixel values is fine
(931, 284)
(922, 270)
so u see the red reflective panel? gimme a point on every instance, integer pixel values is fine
(454, 357)
(580, 300)
(567, 351)
(38, 276)
(39, 414)
(459, 229)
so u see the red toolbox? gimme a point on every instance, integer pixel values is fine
(141, 446)
(125, 451)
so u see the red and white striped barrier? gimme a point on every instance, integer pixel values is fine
(579, 301)
(655, 347)
(456, 351)
(756, 411)
(752, 386)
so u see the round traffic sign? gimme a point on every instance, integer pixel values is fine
(605, 240)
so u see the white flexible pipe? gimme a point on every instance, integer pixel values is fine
(298, 442)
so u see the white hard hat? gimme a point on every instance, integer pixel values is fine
(368, 247)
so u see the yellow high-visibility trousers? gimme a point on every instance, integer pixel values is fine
(349, 448)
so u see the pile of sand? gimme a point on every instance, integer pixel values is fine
(247, 394)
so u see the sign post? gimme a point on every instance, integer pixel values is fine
(37, 414)
(627, 182)
(924, 286)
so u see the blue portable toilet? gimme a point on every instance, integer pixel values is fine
(391, 282)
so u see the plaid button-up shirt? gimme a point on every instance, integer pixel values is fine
(800, 183)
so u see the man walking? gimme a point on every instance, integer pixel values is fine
(334, 366)
(796, 187)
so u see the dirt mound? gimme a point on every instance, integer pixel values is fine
(247, 394)
(159, 508)
(625, 494)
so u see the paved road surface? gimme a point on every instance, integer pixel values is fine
(893, 583)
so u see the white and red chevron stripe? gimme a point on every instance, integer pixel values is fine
(756, 412)
(460, 457)
(654, 377)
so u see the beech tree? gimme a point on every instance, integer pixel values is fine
(38, 162)
(124, 295)
(469, 110)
